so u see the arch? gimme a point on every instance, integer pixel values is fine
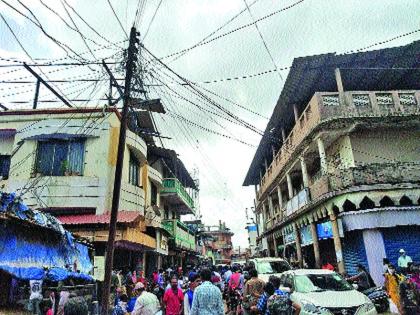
(348, 206)
(405, 201)
(386, 202)
(366, 203)
(335, 209)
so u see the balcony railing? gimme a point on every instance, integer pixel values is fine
(326, 106)
(174, 186)
(297, 202)
(183, 236)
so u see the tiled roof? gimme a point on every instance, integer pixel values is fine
(123, 217)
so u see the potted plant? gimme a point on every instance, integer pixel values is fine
(65, 168)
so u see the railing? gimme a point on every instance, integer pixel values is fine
(297, 202)
(325, 106)
(183, 236)
(174, 186)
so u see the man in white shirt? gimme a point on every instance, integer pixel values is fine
(147, 303)
(404, 260)
(36, 296)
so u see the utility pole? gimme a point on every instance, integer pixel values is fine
(131, 59)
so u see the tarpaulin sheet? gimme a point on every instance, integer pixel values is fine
(25, 252)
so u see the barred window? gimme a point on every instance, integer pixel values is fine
(134, 170)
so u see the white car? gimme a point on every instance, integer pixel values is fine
(324, 292)
(270, 266)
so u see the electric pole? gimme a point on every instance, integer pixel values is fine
(130, 66)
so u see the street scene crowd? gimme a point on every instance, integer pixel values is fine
(222, 289)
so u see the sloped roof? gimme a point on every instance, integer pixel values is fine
(395, 68)
(124, 217)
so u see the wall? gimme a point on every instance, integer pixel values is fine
(339, 154)
(381, 146)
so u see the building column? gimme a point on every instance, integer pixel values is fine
(322, 156)
(305, 175)
(276, 252)
(296, 113)
(298, 245)
(316, 245)
(283, 134)
(289, 185)
(264, 223)
(337, 243)
(270, 206)
(279, 195)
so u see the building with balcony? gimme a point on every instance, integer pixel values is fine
(336, 173)
(217, 243)
(63, 162)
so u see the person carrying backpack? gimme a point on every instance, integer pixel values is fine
(280, 303)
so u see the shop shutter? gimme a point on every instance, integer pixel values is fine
(354, 252)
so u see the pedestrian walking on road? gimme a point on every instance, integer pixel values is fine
(207, 297)
(147, 303)
(195, 281)
(173, 298)
(392, 282)
(253, 289)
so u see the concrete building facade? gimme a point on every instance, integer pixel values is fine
(337, 171)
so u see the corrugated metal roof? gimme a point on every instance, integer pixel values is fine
(85, 219)
(395, 68)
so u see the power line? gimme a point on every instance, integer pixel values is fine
(151, 21)
(234, 30)
(118, 19)
(263, 40)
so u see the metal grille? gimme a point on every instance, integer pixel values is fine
(361, 100)
(331, 100)
(407, 99)
(384, 99)
(343, 311)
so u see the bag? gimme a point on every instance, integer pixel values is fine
(279, 305)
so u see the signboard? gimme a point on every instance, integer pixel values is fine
(306, 235)
(289, 237)
(99, 267)
(324, 230)
(164, 242)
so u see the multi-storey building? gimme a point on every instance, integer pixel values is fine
(63, 162)
(337, 170)
(218, 243)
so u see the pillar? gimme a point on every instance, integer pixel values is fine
(276, 253)
(298, 246)
(305, 175)
(279, 195)
(274, 152)
(144, 262)
(337, 243)
(266, 164)
(296, 113)
(270, 206)
(283, 134)
(264, 223)
(340, 86)
(322, 156)
(289, 186)
(315, 245)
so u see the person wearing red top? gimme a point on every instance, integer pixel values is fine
(173, 298)
(328, 266)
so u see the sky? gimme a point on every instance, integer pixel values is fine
(310, 27)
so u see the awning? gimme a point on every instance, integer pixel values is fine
(124, 217)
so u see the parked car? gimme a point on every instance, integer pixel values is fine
(325, 292)
(269, 266)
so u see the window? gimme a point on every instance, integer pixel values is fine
(154, 192)
(60, 157)
(4, 166)
(133, 170)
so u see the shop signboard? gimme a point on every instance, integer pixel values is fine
(306, 235)
(99, 267)
(324, 230)
(289, 237)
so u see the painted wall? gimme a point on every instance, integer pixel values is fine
(94, 188)
(385, 146)
(339, 154)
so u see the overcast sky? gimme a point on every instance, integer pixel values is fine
(311, 27)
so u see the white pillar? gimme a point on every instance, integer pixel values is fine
(373, 239)
(270, 205)
(279, 195)
(305, 175)
(296, 113)
(289, 185)
(322, 156)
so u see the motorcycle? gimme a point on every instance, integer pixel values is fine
(379, 297)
